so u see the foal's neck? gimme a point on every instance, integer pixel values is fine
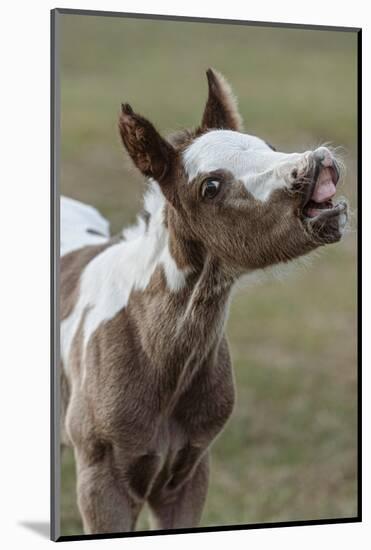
(197, 330)
(207, 280)
(203, 306)
(181, 314)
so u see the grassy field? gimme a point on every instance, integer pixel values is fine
(289, 451)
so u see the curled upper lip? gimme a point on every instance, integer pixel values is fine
(313, 173)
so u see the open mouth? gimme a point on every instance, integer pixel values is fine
(318, 200)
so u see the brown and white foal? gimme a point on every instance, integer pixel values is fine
(147, 382)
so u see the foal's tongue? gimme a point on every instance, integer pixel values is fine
(325, 187)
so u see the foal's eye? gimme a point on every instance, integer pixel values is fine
(210, 188)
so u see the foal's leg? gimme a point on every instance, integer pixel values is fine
(104, 503)
(182, 508)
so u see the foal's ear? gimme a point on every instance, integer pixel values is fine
(150, 152)
(221, 111)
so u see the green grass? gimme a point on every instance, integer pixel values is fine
(289, 451)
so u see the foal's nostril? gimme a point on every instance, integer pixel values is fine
(319, 154)
(323, 156)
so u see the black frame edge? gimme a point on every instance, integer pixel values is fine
(186, 18)
(54, 250)
(238, 527)
(359, 271)
(53, 534)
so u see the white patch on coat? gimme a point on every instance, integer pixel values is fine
(108, 280)
(79, 225)
(175, 277)
(248, 158)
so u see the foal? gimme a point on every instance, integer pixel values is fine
(147, 382)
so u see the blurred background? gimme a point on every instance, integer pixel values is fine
(289, 451)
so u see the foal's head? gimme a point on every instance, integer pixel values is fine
(244, 203)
